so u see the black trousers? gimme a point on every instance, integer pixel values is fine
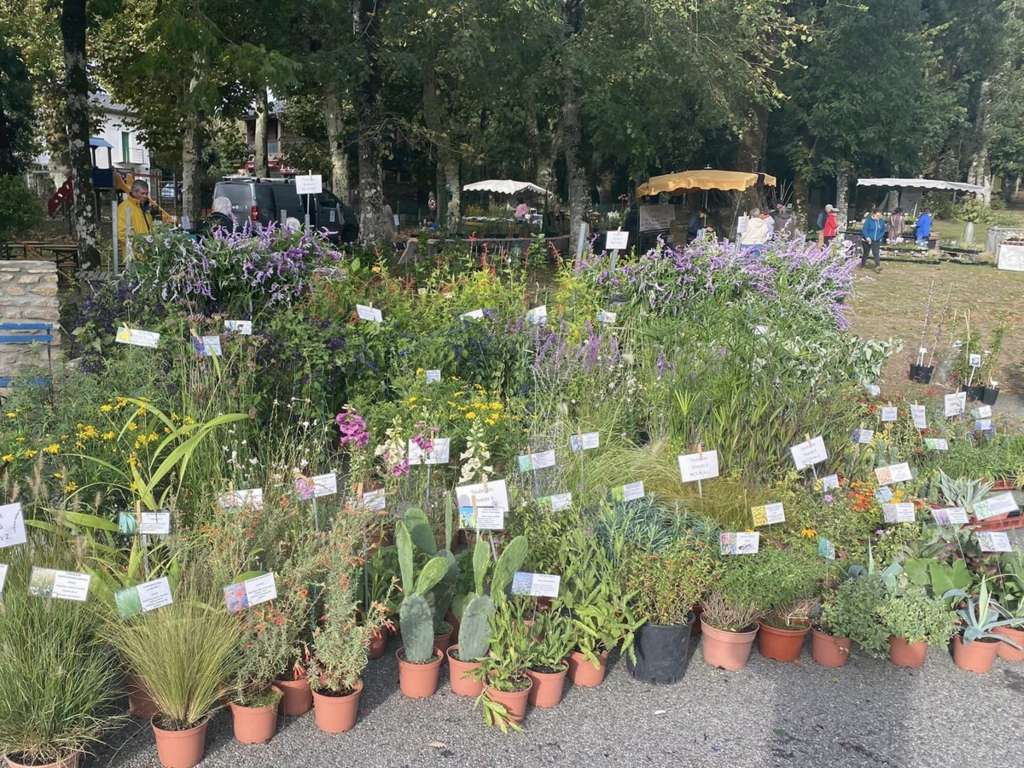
(874, 248)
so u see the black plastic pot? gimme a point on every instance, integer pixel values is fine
(989, 395)
(922, 374)
(973, 393)
(662, 652)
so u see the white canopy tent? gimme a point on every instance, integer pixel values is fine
(504, 187)
(954, 186)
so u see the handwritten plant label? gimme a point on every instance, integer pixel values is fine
(155, 523)
(994, 505)
(12, 525)
(742, 543)
(616, 239)
(983, 425)
(919, 415)
(974, 361)
(584, 442)
(473, 314)
(536, 584)
(248, 497)
(629, 491)
(605, 317)
(375, 501)
(894, 473)
(829, 483)
(433, 375)
(207, 346)
(143, 598)
(371, 314)
(826, 548)
(537, 315)
(137, 338)
(898, 513)
(982, 412)
(62, 585)
(530, 462)
(557, 501)
(955, 404)
(483, 505)
(241, 327)
(768, 514)
(889, 413)
(309, 184)
(3, 576)
(863, 436)
(950, 516)
(809, 452)
(936, 444)
(438, 453)
(994, 541)
(883, 494)
(698, 466)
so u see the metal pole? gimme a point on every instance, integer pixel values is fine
(113, 227)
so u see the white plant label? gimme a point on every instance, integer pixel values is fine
(155, 523)
(438, 453)
(537, 315)
(955, 404)
(12, 525)
(312, 184)
(375, 501)
(209, 346)
(863, 436)
(629, 491)
(473, 314)
(137, 338)
(536, 584)
(936, 444)
(241, 327)
(950, 516)
(889, 413)
(605, 317)
(558, 501)
(982, 412)
(698, 466)
(996, 504)
(768, 514)
(433, 375)
(3, 577)
(483, 505)
(143, 598)
(248, 497)
(898, 513)
(63, 585)
(994, 541)
(983, 425)
(894, 473)
(530, 462)
(919, 415)
(584, 442)
(325, 485)
(809, 452)
(829, 483)
(372, 314)
(883, 494)
(742, 543)
(974, 361)
(245, 594)
(616, 239)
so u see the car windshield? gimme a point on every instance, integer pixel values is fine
(239, 195)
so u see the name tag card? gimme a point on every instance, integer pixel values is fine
(375, 501)
(994, 505)
(557, 502)
(241, 327)
(883, 494)
(919, 415)
(994, 541)
(249, 497)
(143, 598)
(537, 315)
(974, 361)
(12, 525)
(894, 473)
(207, 346)
(826, 548)
(605, 317)
(898, 513)
(438, 453)
(936, 444)
(743, 543)
(433, 375)
(62, 585)
(629, 491)
(584, 442)
(529, 462)
(473, 314)
(483, 505)
(983, 425)
(325, 485)
(950, 516)
(137, 338)
(372, 314)
(809, 453)
(982, 412)
(155, 523)
(250, 592)
(536, 584)
(863, 436)
(829, 483)
(889, 413)
(616, 239)
(955, 404)
(698, 466)
(311, 184)
(768, 514)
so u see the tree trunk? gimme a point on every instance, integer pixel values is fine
(190, 167)
(842, 185)
(366, 17)
(73, 23)
(336, 141)
(260, 165)
(572, 19)
(980, 172)
(750, 154)
(447, 162)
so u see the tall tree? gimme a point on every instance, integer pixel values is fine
(370, 123)
(16, 140)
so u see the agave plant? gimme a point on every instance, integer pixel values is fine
(983, 615)
(963, 492)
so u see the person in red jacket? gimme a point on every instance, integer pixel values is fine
(831, 226)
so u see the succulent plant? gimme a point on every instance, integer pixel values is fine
(475, 629)
(415, 615)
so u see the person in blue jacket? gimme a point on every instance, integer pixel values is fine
(924, 227)
(872, 232)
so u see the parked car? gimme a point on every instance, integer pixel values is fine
(267, 200)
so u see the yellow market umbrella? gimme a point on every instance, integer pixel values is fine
(735, 181)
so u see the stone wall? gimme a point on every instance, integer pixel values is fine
(28, 293)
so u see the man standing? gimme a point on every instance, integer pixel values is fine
(135, 216)
(873, 232)
(924, 227)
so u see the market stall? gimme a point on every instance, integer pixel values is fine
(511, 216)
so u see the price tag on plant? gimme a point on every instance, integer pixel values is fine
(919, 415)
(889, 413)
(768, 514)
(584, 442)
(438, 453)
(536, 584)
(950, 516)
(894, 473)
(883, 494)
(433, 375)
(530, 462)
(629, 491)
(137, 338)
(898, 513)
(863, 436)
(982, 412)
(473, 314)
(698, 466)
(936, 444)
(616, 240)
(245, 594)
(375, 501)
(809, 453)
(829, 483)
(143, 598)
(974, 361)
(372, 314)
(955, 404)
(537, 315)
(207, 346)
(994, 541)
(742, 543)
(826, 548)
(995, 505)
(483, 505)
(61, 585)
(605, 317)
(12, 525)
(249, 497)
(557, 502)
(155, 523)
(3, 577)
(241, 327)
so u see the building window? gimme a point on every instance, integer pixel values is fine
(126, 150)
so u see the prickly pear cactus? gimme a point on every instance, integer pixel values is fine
(417, 624)
(475, 629)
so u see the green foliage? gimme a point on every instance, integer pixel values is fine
(980, 616)
(851, 611)
(668, 583)
(417, 624)
(914, 616)
(777, 583)
(553, 639)
(474, 628)
(20, 210)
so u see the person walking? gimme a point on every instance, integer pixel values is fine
(873, 231)
(923, 230)
(829, 225)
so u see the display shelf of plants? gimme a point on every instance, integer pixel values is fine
(273, 462)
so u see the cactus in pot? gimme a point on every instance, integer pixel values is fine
(415, 615)
(475, 629)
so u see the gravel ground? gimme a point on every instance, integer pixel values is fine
(868, 713)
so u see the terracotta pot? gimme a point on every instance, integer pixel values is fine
(180, 749)
(725, 650)
(378, 644)
(254, 725)
(583, 673)
(781, 644)
(297, 699)
(418, 681)
(1006, 651)
(337, 714)
(547, 688)
(977, 656)
(71, 761)
(904, 654)
(513, 701)
(458, 674)
(442, 641)
(454, 623)
(829, 650)
(139, 702)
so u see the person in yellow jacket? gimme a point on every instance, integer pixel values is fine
(135, 216)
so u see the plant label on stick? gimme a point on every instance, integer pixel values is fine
(629, 491)
(954, 404)
(12, 525)
(898, 513)
(3, 577)
(536, 584)
(143, 598)
(438, 453)
(325, 484)
(605, 317)
(137, 338)
(982, 412)
(994, 541)
(531, 462)
(433, 375)
(863, 436)
(375, 501)
(245, 594)
(473, 314)
(974, 360)
(826, 548)
(983, 425)
(894, 473)
(829, 483)
(919, 416)
(309, 184)
(155, 523)
(537, 315)
(241, 327)
(741, 543)
(248, 497)
(768, 514)
(483, 505)
(950, 516)
(371, 314)
(883, 494)
(995, 505)
(61, 585)
(207, 346)
(616, 239)
(702, 465)
(585, 441)
(889, 413)
(809, 452)
(936, 444)
(557, 501)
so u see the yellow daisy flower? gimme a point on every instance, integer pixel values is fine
(53, 449)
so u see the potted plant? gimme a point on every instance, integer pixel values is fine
(503, 670)
(552, 640)
(381, 574)
(1011, 597)
(782, 585)
(990, 387)
(847, 616)
(976, 644)
(914, 620)
(666, 584)
(423, 547)
(728, 626)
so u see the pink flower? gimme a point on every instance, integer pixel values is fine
(401, 469)
(352, 427)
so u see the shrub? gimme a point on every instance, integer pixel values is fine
(20, 210)
(915, 617)
(668, 583)
(850, 612)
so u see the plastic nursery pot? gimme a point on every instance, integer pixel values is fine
(904, 654)
(139, 702)
(458, 674)
(337, 713)
(378, 644)
(662, 652)
(418, 681)
(828, 650)
(726, 650)
(297, 699)
(71, 761)
(989, 395)
(441, 641)
(513, 701)
(781, 644)
(1006, 651)
(180, 749)
(254, 725)
(922, 374)
(547, 688)
(583, 673)
(973, 392)
(976, 656)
